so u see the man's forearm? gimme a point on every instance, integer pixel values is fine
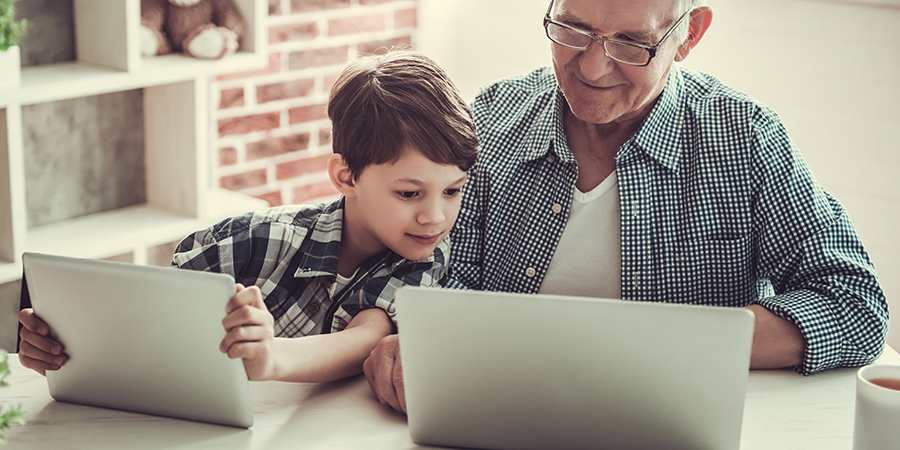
(777, 342)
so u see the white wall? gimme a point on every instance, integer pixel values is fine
(827, 67)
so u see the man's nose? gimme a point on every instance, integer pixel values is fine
(594, 63)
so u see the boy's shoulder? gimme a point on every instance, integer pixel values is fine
(292, 216)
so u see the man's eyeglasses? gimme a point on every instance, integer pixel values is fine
(622, 51)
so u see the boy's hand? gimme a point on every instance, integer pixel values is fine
(37, 351)
(249, 334)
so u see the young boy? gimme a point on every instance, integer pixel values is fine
(403, 140)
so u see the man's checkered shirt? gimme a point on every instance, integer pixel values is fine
(291, 254)
(718, 208)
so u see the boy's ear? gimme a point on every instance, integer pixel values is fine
(340, 175)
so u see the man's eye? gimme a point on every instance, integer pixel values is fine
(408, 194)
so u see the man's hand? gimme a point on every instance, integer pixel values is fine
(250, 332)
(384, 372)
(38, 351)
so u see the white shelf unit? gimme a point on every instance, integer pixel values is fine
(177, 129)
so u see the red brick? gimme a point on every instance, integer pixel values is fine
(287, 89)
(405, 18)
(274, 7)
(313, 191)
(249, 124)
(293, 169)
(318, 57)
(383, 46)
(307, 113)
(293, 32)
(230, 98)
(316, 5)
(359, 24)
(328, 81)
(274, 198)
(273, 67)
(244, 180)
(324, 136)
(227, 156)
(277, 146)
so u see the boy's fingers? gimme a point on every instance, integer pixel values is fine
(248, 316)
(244, 334)
(30, 322)
(246, 350)
(35, 358)
(40, 367)
(40, 342)
(250, 296)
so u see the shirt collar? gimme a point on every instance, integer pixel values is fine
(320, 252)
(659, 135)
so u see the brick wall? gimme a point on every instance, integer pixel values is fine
(272, 133)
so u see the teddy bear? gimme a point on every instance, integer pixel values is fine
(205, 29)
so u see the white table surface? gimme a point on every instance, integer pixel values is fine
(783, 411)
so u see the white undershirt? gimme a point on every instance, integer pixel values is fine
(588, 260)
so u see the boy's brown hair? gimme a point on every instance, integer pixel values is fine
(381, 104)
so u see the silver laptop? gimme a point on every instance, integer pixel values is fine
(517, 371)
(139, 338)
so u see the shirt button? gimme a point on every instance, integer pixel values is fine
(529, 272)
(556, 208)
(551, 158)
(313, 308)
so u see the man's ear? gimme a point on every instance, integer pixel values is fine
(341, 176)
(700, 20)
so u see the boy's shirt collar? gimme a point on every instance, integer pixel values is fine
(321, 250)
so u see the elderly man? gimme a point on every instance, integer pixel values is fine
(620, 174)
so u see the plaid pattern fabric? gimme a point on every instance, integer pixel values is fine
(718, 208)
(291, 254)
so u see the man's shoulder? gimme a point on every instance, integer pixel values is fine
(539, 82)
(704, 91)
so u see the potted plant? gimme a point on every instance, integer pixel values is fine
(10, 32)
(14, 414)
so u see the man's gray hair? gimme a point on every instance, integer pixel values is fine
(681, 6)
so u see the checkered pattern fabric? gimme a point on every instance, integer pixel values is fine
(718, 208)
(291, 254)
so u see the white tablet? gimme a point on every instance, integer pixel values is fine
(140, 338)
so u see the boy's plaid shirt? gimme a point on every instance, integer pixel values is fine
(291, 254)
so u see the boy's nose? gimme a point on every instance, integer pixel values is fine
(431, 213)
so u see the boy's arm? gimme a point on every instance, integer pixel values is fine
(326, 357)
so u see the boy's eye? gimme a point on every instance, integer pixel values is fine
(408, 194)
(451, 192)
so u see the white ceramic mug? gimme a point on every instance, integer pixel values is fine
(877, 421)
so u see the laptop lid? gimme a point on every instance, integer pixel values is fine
(517, 371)
(140, 338)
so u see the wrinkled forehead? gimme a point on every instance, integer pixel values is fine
(639, 18)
